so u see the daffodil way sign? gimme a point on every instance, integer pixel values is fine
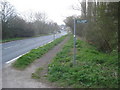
(76, 21)
(81, 21)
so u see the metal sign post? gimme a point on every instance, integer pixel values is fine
(75, 22)
(74, 56)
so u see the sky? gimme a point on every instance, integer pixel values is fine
(56, 10)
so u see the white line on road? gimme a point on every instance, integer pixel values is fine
(11, 46)
(8, 47)
(15, 58)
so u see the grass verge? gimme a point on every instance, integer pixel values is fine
(94, 69)
(34, 54)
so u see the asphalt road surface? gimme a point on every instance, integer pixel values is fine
(13, 49)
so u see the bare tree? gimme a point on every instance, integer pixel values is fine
(41, 16)
(81, 6)
(8, 11)
(7, 14)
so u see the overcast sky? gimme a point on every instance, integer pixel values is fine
(56, 10)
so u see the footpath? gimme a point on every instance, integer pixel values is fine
(12, 78)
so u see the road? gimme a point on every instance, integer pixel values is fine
(13, 49)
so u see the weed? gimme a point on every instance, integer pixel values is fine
(36, 75)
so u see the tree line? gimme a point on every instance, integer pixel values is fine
(13, 25)
(102, 26)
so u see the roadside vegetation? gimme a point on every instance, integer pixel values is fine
(102, 26)
(93, 69)
(34, 54)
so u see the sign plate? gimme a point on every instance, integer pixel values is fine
(81, 21)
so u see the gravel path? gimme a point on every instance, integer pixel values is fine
(12, 78)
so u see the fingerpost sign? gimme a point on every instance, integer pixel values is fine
(76, 21)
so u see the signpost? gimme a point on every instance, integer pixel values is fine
(76, 21)
(81, 21)
(74, 56)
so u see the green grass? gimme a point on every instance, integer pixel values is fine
(34, 54)
(94, 69)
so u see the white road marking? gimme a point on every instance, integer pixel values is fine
(13, 59)
(8, 47)
(10, 61)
